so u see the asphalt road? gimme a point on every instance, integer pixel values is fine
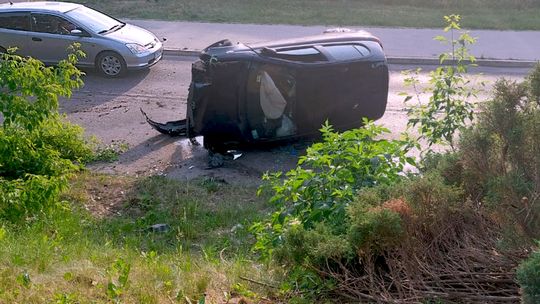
(109, 109)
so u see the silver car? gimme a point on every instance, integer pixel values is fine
(45, 30)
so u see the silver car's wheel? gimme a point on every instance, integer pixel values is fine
(111, 64)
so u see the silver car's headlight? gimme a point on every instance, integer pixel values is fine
(136, 48)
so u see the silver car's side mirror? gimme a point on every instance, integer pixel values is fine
(76, 32)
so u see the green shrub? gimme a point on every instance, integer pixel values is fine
(38, 146)
(327, 179)
(68, 139)
(373, 230)
(449, 108)
(315, 246)
(501, 154)
(528, 276)
(534, 84)
(29, 196)
(382, 225)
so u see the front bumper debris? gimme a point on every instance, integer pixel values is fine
(172, 128)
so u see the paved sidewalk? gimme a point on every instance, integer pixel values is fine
(398, 42)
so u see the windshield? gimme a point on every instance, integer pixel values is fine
(95, 21)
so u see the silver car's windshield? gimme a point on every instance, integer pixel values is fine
(95, 21)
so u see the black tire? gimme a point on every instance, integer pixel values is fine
(111, 64)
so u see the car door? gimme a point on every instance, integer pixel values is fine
(14, 31)
(51, 37)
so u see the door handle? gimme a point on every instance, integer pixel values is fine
(36, 39)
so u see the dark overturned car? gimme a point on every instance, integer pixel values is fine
(242, 95)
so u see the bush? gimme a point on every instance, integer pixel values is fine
(528, 275)
(394, 239)
(501, 154)
(38, 147)
(29, 196)
(327, 179)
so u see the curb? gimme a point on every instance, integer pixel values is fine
(177, 52)
(497, 63)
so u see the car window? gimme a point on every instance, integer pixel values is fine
(44, 23)
(15, 21)
(302, 54)
(347, 51)
(95, 21)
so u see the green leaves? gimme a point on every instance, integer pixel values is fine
(118, 279)
(38, 147)
(449, 108)
(327, 178)
(528, 276)
(29, 91)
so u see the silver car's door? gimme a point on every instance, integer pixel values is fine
(51, 38)
(14, 31)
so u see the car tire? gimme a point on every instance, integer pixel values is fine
(111, 64)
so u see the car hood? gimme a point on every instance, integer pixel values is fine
(132, 34)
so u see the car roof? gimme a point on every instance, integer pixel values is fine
(43, 6)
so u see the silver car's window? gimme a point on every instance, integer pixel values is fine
(51, 24)
(93, 20)
(15, 21)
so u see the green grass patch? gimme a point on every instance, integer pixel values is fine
(76, 255)
(477, 14)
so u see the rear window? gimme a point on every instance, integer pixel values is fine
(15, 21)
(347, 51)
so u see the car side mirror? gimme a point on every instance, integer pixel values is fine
(76, 32)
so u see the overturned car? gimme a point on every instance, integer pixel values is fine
(282, 90)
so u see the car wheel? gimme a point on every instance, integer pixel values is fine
(110, 64)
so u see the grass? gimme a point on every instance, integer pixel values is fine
(477, 14)
(68, 256)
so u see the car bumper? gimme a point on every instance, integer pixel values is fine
(145, 60)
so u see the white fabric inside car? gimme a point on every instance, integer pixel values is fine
(272, 101)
